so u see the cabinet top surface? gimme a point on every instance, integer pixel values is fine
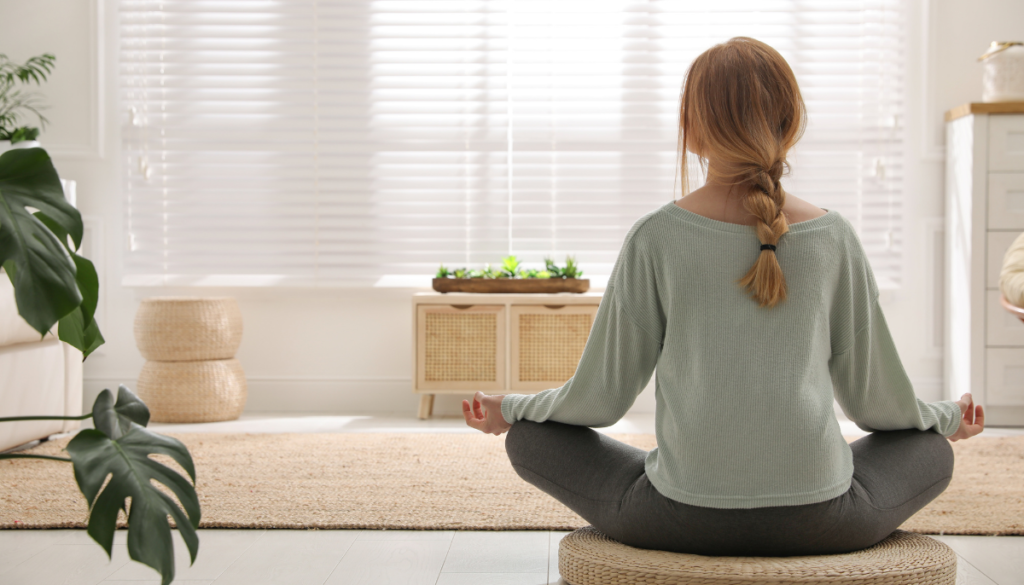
(985, 108)
(499, 298)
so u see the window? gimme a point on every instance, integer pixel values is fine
(289, 142)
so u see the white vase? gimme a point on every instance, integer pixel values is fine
(1003, 78)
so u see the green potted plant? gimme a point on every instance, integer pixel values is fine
(17, 103)
(40, 234)
(512, 277)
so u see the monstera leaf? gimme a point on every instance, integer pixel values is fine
(44, 281)
(77, 327)
(119, 416)
(37, 249)
(120, 447)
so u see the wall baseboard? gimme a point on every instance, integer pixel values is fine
(323, 395)
(380, 396)
(391, 396)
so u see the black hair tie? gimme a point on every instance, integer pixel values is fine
(768, 247)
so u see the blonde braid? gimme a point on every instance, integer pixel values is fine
(741, 109)
(765, 201)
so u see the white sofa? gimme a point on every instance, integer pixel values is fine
(37, 376)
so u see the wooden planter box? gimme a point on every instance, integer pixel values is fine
(512, 285)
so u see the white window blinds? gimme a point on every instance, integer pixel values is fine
(338, 142)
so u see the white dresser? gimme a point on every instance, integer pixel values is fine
(984, 351)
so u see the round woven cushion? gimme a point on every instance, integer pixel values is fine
(588, 557)
(180, 329)
(193, 392)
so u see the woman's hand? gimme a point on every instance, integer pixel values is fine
(972, 418)
(488, 420)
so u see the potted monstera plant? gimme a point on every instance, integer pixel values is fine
(40, 234)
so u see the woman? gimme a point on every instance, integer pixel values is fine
(757, 308)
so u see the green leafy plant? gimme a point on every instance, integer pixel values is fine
(489, 272)
(40, 234)
(534, 273)
(16, 103)
(570, 270)
(512, 268)
(119, 447)
(38, 250)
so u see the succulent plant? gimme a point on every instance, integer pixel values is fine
(571, 270)
(511, 268)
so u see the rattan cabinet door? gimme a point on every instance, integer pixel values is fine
(460, 348)
(547, 342)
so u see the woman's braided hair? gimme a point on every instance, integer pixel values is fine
(741, 107)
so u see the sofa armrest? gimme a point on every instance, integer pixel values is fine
(72, 387)
(13, 328)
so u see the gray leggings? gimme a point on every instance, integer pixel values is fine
(896, 473)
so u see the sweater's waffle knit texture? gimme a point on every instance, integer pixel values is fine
(744, 393)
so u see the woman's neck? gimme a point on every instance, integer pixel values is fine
(722, 197)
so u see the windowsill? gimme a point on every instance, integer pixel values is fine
(246, 281)
(269, 286)
(393, 285)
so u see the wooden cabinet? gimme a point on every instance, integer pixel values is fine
(460, 348)
(984, 351)
(497, 343)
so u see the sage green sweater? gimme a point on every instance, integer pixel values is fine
(744, 414)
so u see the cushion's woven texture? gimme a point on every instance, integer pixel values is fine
(587, 557)
(190, 375)
(193, 392)
(186, 329)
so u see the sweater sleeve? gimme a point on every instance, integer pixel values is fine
(873, 389)
(616, 365)
(619, 358)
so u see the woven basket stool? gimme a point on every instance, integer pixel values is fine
(588, 557)
(190, 375)
(187, 329)
(192, 392)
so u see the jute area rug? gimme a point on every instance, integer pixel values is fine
(437, 481)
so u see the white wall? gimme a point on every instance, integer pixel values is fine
(331, 350)
(946, 38)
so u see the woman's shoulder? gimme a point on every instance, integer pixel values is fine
(653, 227)
(798, 210)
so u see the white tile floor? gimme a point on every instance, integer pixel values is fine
(337, 557)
